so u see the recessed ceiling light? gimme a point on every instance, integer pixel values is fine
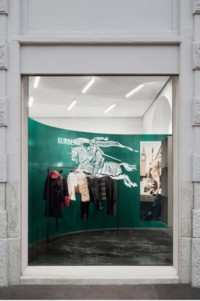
(134, 90)
(88, 85)
(110, 108)
(72, 104)
(37, 79)
(31, 100)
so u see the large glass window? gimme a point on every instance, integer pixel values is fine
(100, 170)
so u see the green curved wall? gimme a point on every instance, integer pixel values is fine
(43, 150)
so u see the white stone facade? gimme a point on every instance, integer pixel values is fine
(90, 37)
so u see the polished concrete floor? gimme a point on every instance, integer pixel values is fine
(100, 292)
(107, 247)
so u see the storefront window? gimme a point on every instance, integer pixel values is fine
(100, 170)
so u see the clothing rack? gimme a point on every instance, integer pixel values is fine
(71, 168)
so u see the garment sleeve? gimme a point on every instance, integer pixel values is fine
(97, 191)
(72, 184)
(83, 188)
(65, 187)
(114, 191)
(112, 199)
(102, 186)
(90, 188)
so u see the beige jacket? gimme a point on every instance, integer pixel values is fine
(77, 183)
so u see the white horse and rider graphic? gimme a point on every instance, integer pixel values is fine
(90, 158)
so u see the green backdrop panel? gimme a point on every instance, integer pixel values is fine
(50, 146)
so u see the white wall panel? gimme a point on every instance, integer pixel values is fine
(138, 59)
(99, 15)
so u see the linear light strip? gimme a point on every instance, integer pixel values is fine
(72, 104)
(31, 100)
(110, 108)
(134, 90)
(88, 85)
(37, 79)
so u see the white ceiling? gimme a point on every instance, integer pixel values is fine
(55, 93)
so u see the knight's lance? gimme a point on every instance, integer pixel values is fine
(112, 157)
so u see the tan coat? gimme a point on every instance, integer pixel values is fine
(77, 183)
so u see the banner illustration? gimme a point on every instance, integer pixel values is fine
(90, 158)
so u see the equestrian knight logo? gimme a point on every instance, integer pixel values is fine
(90, 158)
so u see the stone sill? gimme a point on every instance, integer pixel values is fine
(101, 275)
(107, 38)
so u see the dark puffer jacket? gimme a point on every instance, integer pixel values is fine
(54, 194)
